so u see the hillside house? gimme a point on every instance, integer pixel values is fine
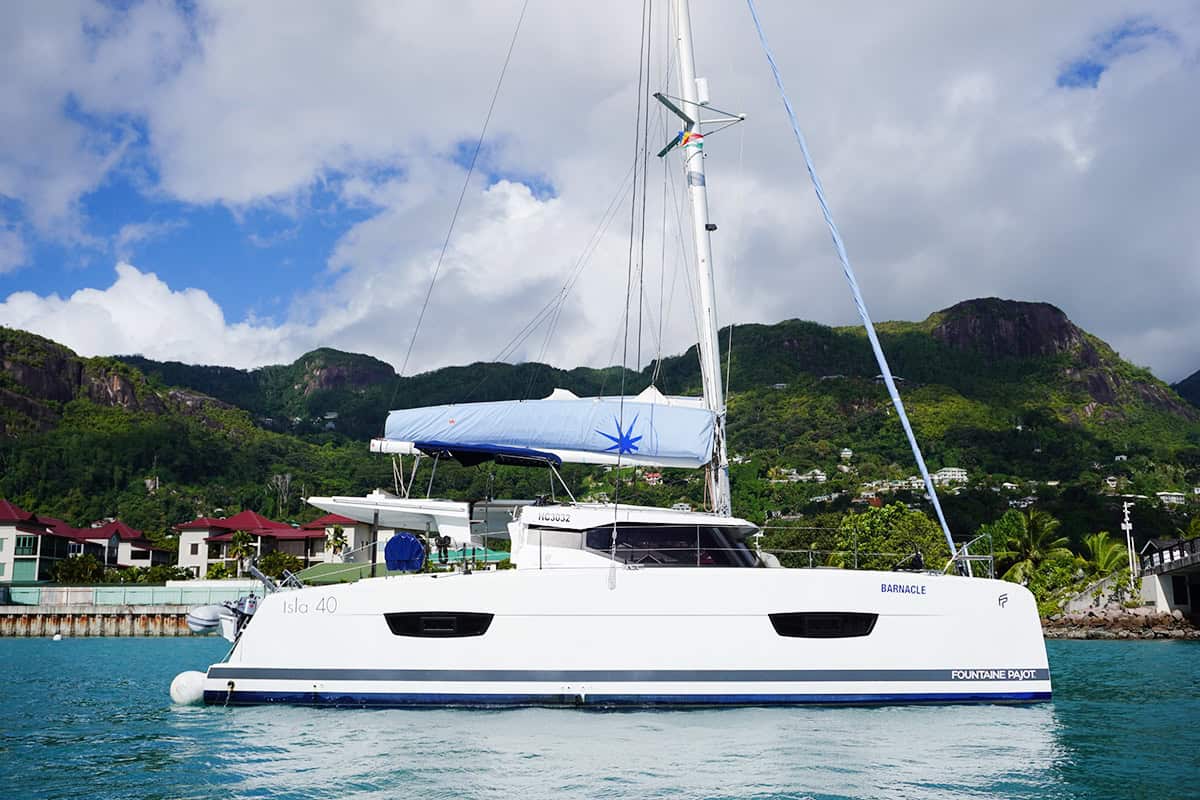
(30, 546)
(814, 475)
(1171, 574)
(358, 540)
(1171, 498)
(948, 475)
(122, 545)
(652, 478)
(205, 541)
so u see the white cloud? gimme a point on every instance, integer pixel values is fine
(136, 232)
(57, 58)
(955, 165)
(139, 313)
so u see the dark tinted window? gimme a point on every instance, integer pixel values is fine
(824, 624)
(672, 546)
(1179, 590)
(438, 624)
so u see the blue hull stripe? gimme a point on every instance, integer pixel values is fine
(229, 672)
(602, 700)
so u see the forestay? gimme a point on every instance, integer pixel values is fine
(649, 429)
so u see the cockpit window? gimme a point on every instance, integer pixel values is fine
(672, 545)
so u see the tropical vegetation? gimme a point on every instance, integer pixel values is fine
(1052, 411)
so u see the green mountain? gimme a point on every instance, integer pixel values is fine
(992, 385)
(1002, 388)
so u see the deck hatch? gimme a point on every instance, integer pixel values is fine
(438, 624)
(824, 624)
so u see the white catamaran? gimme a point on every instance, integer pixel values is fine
(621, 604)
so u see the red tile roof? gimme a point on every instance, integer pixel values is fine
(249, 521)
(299, 533)
(59, 528)
(273, 533)
(328, 521)
(105, 531)
(14, 513)
(200, 523)
(252, 520)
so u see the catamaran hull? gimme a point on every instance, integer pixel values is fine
(661, 637)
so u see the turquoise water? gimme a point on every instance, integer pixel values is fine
(90, 718)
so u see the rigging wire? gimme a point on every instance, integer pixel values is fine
(840, 247)
(461, 196)
(733, 272)
(642, 95)
(552, 308)
(667, 62)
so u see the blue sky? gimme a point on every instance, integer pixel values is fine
(252, 262)
(236, 184)
(1125, 38)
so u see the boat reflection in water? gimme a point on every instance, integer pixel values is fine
(908, 751)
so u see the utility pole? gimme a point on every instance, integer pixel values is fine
(1127, 526)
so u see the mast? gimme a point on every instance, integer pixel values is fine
(693, 168)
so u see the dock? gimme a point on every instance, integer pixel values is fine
(93, 620)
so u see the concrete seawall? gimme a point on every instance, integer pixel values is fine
(85, 620)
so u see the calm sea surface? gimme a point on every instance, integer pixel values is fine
(91, 718)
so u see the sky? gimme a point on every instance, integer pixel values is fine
(238, 183)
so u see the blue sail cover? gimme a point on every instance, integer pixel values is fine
(590, 430)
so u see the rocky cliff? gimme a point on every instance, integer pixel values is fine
(39, 377)
(1189, 388)
(1011, 329)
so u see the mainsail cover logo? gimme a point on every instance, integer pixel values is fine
(623, 441)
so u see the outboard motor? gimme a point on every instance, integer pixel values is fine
(230, 617)
(204, 619)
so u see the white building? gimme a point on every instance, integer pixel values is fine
(947, 475)
(357, 535)
(812, 476)
(846, 454)
(1171, 498)
(30, 546)
(205, 541)
(123, 546)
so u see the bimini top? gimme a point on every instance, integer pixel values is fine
(648, 429)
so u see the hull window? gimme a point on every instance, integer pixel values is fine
(824, 624)
(438, 624)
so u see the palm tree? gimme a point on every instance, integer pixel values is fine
(1031, 541)
(241, 547)
(337, 539)
(1105, 554)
